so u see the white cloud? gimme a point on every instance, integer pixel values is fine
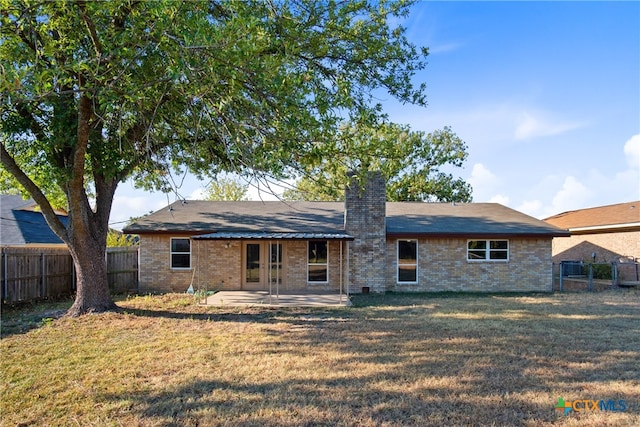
(632, 151)
(555, 194)
(572, 193)
(482, 179)
(486, 185)
(531, 125)
(197, 194)
(530, 207)
(499, 198)
(438, 48)
(491, 124)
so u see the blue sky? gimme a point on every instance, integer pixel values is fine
(545, 94)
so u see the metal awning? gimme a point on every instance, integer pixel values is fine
(257, 235)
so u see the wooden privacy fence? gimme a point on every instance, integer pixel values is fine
(36, 273)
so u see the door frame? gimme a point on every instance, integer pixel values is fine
(264, 263)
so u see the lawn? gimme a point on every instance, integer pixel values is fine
(388, 360)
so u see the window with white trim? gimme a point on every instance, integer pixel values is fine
(407, 261)
(180, 253)
(488, 250)
(318, 261)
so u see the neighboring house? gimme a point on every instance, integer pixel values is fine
(604, 234)
(23, 225)
(364, 244)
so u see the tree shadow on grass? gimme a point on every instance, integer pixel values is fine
(429, 364)
(330, 402)
(20, 319)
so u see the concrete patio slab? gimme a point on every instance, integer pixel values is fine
(286, 299)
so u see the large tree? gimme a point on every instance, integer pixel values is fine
(226, 189)
(94, 93)
(412, 162)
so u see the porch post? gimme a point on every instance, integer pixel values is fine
(348, 269)
(341, 273)
(269, 271)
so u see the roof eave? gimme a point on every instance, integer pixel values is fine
(475, 235)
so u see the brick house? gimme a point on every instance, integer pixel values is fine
(610, 233)
(363, 244)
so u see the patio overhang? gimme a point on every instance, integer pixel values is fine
(268, 237)
(258, 235)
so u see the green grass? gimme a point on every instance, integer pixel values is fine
(397, 359)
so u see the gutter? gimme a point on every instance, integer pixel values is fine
(606, 228)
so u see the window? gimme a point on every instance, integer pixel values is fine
(317, 261)
(407, 261)
(488, 250)
(180, 253)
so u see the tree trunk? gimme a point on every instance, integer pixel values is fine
(92, 286)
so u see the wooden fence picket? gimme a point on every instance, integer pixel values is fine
(28, 274)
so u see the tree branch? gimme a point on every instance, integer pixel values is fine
(82, 5)
(49, 214)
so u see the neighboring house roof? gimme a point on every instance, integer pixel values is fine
(305, 219)
(618, 217)
(22, 224)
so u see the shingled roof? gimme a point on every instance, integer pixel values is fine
(22, 224)
(199, 217)
(464, 220)
(616, 217)
(317, 218)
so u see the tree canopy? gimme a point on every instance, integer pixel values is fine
(94, 93)
(411, 162)
(226, 189)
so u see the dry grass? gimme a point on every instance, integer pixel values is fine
(389, 360)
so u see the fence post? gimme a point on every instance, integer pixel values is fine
(42, 278)
(5, 265)
(561, 274)
(591, 277)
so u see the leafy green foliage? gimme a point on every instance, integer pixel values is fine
(409, 160)
(226, 189)
(118, 239)
(94, 93)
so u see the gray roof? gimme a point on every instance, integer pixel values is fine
(274, 236)
(20, 224)
(464, 220)
(201, 216)
(317, 218)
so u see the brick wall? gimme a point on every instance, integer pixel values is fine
(155, 274)
(443, 266)
(365, 220)
(295, 267)
(608, 246)
(217, 263)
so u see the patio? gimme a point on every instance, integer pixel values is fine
(282, 299)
